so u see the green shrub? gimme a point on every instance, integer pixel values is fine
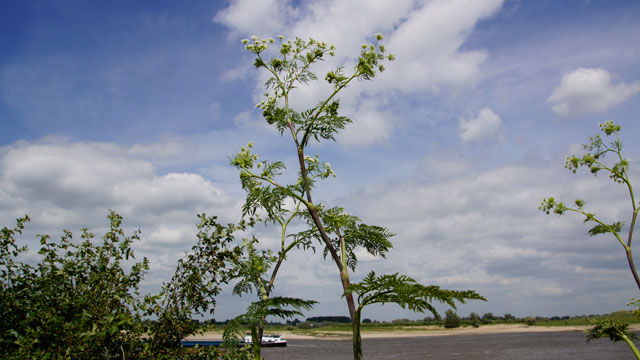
(305, 325)
(451, 319)
(80, 301)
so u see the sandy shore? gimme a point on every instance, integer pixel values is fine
(418, 331)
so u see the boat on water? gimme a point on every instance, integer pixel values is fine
(268, 340)
(193, 343)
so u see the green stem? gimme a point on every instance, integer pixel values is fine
(632, 266)
(596, 220)
(625, 174)
(272, 182)
(343, 253)
(357, 338)
(627, 246)
(255, 345)
(324, 105)
(344, 277)
(632, 346)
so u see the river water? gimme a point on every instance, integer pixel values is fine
(551, 345)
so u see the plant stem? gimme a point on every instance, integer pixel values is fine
(357, 339)
(255, 345)
(632, 346)
(344, 276)
(632, 266)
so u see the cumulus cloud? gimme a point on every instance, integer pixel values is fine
(587, 90)
(487, 125)
(347, 24)
(426, 37)
(437, 167)
(370, 126)
(262, 18)
(428, 45)
(482, 230)
(63, 184)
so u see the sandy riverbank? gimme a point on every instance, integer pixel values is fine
(416, 332)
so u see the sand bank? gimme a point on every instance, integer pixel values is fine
(417, 331)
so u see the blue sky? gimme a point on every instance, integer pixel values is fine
(135, 106)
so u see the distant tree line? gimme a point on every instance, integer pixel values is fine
(473, 319)
(336, 319)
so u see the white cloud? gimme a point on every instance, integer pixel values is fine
(347, 24)
(426, 37)
(63, 184)
(487, 125)
(370, 125)
(436, 167)
(586, 90)
(428, 42)
(69, 175)
(482, 230)
(264, 18)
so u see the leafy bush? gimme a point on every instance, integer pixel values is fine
(80, 301)
(475, 319)
(193, 287)
(451, 319)
(305, 325)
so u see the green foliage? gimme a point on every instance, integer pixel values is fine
(475, 319)
(193, 287)
(597, 149)
(331, 319)
(594, 159)
(339, 233)
(251, 268)
(405, 292)
(266, 196)
(305, 325)
(349, 233)
(613, 329)
(79, 302)
(488, 318)
(291, 66)
(451, 319)
(232, 339)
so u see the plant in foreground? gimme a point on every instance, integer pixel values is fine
(403, 291)
(79, 301)
(251, 269)
(618, 171)
(339, 233)
(614, 330)
(193, 287)
(287, 70)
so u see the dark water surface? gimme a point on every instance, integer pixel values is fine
(553, 345)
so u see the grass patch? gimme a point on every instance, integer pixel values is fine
(329, 328)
